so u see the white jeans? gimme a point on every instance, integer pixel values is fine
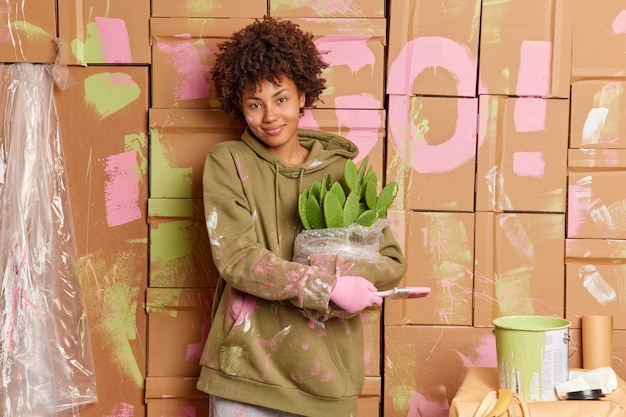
(221, 407)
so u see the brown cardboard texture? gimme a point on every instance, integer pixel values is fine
(99, 32)
(518, 265)
(214, 8)
(431, 152)
(365, 128)
(425, 366)
(618, 350)
(183, 52)
(327, 8)
(355, 51)
(594, 271)
(523, 55)
(170, 407)
(597, 114)
(28, 31)
(439, 248)
(180, 253)
(522, 154)
(103, 126)
(178, 323)
(433, 47)
(595, 205)
(368, 402)
(599, 32)
(179, 142)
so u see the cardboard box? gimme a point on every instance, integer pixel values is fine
(179, 142)
(431, 152)
(103, 119)
(433, 47)
(178, 324)
(327, 8)
(523, 55)
(597, 114)
(425, 366)
(618, 351)
(439, 248)
(214, 8)
(518, 265)
(104, 32)
(183, 52)
(28, 31)
(368, 402)
(598, 31)
(522, 154)
(180, 253)
(365, 128)
(595, 205)
(595, 270)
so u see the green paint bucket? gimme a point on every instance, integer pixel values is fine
(532, 353)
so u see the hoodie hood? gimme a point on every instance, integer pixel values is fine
(324, 149)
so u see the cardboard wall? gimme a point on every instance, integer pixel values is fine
(503, 123)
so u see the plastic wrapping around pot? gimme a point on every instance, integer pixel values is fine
(354, 241)
(46, 364)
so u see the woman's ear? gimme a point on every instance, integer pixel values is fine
(302, 100)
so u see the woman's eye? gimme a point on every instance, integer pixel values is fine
(282, 100)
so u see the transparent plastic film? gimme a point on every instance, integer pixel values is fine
(46, 364)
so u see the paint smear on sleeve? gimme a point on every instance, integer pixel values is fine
(533, 77)
(529, 114)
(114, 40)
(190, 81)
(347, 50)
(121, 189)
(110, 92)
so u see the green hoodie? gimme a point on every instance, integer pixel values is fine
(262, 349)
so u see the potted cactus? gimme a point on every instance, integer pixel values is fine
(344, 217)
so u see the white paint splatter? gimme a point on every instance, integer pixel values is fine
(596, 285)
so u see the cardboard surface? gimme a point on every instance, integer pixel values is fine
(214, 8)
(598, 30)
(327, 8)
(178, 323)
(179, 142)
(103, 116)
(523, 55)
(98, 32)
(594, 203)
(522, 160)
(594, 271)
(180, 253)
(518, 265)
(433, 47)
(431, 152)
(597, 114)
(425, 366)
(440, 255)
(28, 31)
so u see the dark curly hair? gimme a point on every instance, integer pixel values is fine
(267, 49)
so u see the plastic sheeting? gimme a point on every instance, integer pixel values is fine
(46, 363)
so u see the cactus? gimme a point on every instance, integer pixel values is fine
(331, 204)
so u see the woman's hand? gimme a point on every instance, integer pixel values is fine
(354, 293)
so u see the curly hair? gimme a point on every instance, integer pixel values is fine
(267, 49)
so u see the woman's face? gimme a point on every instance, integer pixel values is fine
(272, 113)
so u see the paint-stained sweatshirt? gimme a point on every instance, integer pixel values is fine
(262, 349)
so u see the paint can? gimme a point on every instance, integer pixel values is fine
(532, 353)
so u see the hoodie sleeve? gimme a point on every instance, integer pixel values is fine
(241, 260)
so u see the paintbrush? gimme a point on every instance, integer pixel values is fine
(404, 292)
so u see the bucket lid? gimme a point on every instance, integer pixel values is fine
(531, 323)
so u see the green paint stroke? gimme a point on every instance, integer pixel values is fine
(165, 300)
(110, 92)
(171, 240)
(139, 143)
(112, 293)
(513, 293)
(166, 179)
(30, 30)
(88, 50)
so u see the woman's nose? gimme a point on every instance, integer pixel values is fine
(270, 114)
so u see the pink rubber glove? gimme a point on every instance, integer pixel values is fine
(353, 294)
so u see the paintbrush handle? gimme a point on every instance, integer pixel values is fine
(404, 292)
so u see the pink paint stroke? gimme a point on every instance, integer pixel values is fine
(529, 114)
(533, 78)
(121, 189)
(347, 50)
(114, 40)
(190, 81)
(529, 164)
(619, 24)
